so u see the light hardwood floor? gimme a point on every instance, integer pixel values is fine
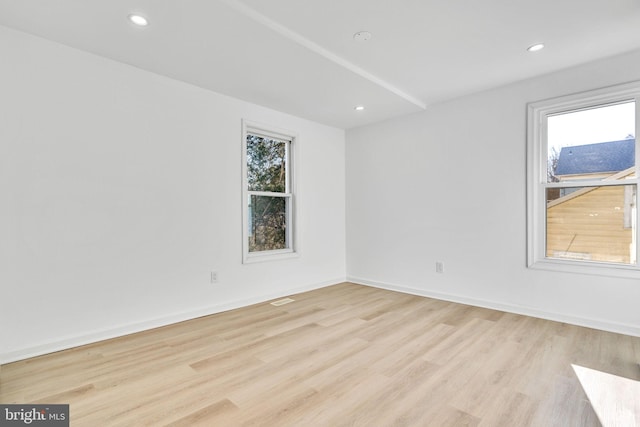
(346, 355)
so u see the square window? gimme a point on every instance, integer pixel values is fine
(266, 164)
(591, 143)
(267, 223)
(591, 223)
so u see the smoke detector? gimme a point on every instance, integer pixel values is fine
(362, 36)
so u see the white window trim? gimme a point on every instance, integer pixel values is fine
(254, 128)
(537, 177)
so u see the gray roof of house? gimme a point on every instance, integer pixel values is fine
(611, 156)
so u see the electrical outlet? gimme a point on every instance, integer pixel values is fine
(214, 277)
(439, 267)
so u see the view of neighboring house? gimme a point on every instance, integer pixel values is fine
(593, 223)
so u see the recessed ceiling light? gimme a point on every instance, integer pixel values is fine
(362, 36)
(536, 47)
(359, 107)
(139, 20)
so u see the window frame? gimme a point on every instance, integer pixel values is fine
(537, 155)
(291, 251)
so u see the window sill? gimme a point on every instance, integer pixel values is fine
(589, 268)
(269, 256)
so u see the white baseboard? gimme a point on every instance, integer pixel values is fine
(65, 343)
(95, 336)
(604, 325)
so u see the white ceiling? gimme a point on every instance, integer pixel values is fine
(299, 56)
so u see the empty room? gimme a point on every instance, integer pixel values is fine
(319, 213)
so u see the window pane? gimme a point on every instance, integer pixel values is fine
(594, 143)
(592, 223)
(266, 164)
(267, 223)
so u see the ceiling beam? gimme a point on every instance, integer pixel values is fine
(316, 48)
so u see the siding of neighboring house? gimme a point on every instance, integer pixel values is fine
(590, 226)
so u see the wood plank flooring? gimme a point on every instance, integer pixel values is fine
(346, 355)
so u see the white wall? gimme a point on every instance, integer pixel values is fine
(449, 185)
(120, 192)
